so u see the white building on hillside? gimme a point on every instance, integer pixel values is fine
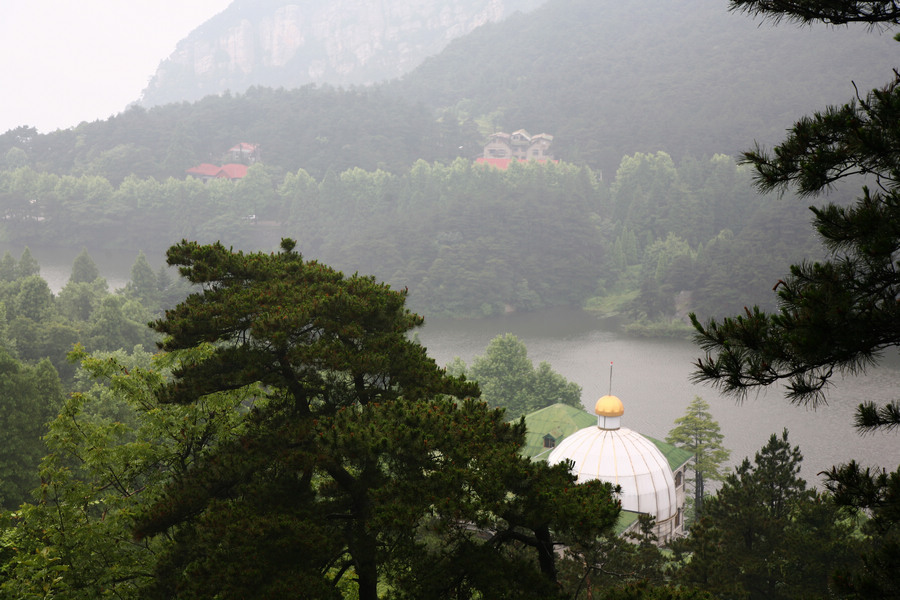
(649, 472)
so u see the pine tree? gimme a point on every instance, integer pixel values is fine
(84, 269)
(7, 267)
(144, 284)
(765, 535)
(843, 12)
(27, 265)
(700, 434)
(839, 315)
(362, 459)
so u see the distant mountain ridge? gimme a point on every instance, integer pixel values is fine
(606, 79)
(280, 43)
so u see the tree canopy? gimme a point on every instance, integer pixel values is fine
(841, 314)
(30, 396)
(84, 269)
(109, 451)
(362, 461)
(750, 539)
(700, 434)
(508, 379)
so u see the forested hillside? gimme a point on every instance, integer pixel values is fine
(644, 217)
(465, 239)
(606, 79)
(317, 129)
(612, 78)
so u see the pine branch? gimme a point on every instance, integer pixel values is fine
(835, 12)
(871, 417)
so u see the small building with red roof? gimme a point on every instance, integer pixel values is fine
(239, 156)
(207, 171)
(503, 163)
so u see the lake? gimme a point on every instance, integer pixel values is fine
(650, 376)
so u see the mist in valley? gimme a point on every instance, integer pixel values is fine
(383, 137)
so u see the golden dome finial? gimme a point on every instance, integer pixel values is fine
(609, 406)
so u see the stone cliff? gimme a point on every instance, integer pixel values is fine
(290, 44)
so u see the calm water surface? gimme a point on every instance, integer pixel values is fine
(652, 379)
(650, 376)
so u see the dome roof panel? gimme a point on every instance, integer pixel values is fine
(625, 458)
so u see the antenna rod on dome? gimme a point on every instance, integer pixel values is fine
(610, 378)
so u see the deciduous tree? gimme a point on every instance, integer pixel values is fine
(110, 448)
(509, 380)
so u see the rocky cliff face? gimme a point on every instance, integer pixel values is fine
(289, 44)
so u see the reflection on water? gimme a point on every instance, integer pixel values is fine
(652, 379)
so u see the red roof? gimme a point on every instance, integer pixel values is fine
(204, 170)
(503, 163)
(233, 171)
(229, 171)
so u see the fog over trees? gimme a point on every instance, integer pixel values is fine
(277, 430)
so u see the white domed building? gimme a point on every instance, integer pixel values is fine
(649, 472)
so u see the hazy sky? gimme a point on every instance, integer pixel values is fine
(67, 61)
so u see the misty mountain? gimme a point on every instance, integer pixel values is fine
(279, 43)
(392, 162)
(611, 78)
(605, 79)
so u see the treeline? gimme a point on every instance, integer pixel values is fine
(38, 330)
(467, 240)
(320, 129)
(464, 239)
(36, 324)
(573, 74)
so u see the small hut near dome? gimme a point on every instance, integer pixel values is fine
(649, 472)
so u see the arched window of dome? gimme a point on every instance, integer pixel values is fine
(679, 479)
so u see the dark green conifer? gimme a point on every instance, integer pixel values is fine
(765, 535)
(84, 269)
(27, 265)
(364, 460)
(838, 315)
